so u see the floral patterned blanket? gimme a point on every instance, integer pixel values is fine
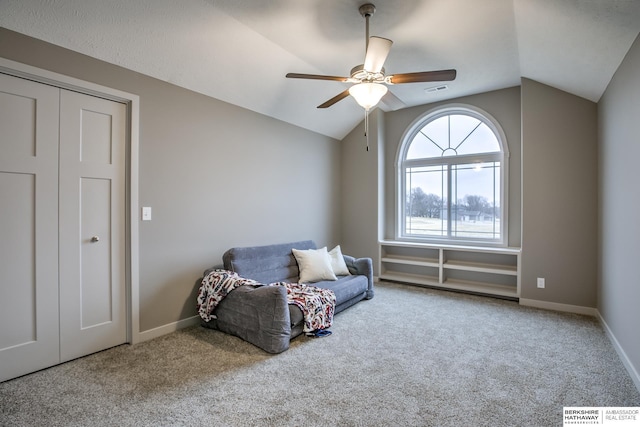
(317, 304)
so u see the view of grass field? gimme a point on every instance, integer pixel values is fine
(438, 227)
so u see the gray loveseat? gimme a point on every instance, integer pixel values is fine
(260, 314)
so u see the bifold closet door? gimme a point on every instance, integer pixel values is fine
(29, 334)
(92, 224)
(62, 225)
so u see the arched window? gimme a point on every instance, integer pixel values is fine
(452, 169)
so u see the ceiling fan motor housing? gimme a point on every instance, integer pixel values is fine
(359, 74)
(367, 10)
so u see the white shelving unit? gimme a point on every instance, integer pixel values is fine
(484, 270)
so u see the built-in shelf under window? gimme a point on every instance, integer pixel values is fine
(483, 270)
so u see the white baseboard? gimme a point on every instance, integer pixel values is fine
(568, 308)
(633, 373)
(167, 329)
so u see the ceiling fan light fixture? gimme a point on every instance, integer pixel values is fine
(368, 94)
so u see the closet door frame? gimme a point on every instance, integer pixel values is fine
(132, 102)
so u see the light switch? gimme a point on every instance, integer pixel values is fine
(146, 213)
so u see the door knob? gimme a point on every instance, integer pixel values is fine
(95, 239)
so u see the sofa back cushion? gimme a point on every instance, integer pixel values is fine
(266, 264)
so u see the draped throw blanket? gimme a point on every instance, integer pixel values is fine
(317, 304)
(214, 288)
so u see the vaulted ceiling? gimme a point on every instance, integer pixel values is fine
(239, 51)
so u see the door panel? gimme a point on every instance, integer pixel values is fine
(96, 137)
(95, 270)
(18, 293)
(17, 122)
(92, 194)
(28, 226)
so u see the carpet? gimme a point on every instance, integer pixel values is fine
(411, 356)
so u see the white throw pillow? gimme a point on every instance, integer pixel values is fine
(314, 265)
(337, 262)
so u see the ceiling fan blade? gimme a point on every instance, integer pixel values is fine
(424, 76)
(392, 102)
(316, 77)
(377, 51)
(339, 97)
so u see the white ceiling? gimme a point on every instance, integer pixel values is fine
(239, 51)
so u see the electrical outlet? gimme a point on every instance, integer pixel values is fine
(541, 282)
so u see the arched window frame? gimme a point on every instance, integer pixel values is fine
(401, 165)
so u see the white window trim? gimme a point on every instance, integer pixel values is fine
(405, 140)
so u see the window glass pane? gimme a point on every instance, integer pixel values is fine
(475, 188)
(481, 140)
(425, 200)
(461, 128)
(438, 131)
(430, 141)
(422, 148)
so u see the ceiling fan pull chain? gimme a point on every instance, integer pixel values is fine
(366, 126)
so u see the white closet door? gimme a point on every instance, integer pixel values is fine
(92, 224)
(29, 338)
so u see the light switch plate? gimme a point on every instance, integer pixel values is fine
(146, 213)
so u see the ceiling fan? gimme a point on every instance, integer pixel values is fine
(369, 78)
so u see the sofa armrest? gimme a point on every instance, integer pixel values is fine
(259, 315)
(361, 266)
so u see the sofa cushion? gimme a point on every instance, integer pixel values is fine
(346, 287)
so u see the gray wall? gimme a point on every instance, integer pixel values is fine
(215, 175)
(361, 192)
(559, 196)
(619, 228)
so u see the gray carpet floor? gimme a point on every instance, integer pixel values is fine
(409, 357)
